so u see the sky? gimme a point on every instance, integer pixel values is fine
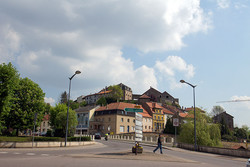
(139, 43)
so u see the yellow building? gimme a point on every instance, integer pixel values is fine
(158, 117)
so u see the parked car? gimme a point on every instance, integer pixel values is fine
(97, 136)
(248, 163)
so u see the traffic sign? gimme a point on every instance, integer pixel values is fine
(137, 135)
(133, 110)
(138, 131)
(138, 128)
(175, 122)
(138, 139)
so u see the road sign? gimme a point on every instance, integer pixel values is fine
(138, 123)
(175, 122)
(138, 131)
(133, 110)
(138, 128)
(138, 139)
(137, 135)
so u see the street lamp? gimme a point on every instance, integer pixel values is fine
(77, 72)
(195, 139)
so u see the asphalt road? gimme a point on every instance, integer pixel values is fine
(112, 153)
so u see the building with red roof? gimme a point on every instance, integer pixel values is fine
(113, 119)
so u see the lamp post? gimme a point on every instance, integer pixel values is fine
(67, 122)
(195, 139)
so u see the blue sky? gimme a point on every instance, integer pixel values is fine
(139, 43)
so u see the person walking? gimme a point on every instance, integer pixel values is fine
(159, 144)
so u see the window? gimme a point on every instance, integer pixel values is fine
(155, 117)
(121, 119)
(162, 118)
(128, 120)
(121, 128)
(149, 127)
(43, 123)
(134, 120)
(109, 128)
(145, 127)
(109, 119)
(128, 129)
(158, 117)
(133, 128)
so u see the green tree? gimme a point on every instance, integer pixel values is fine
(217, 110)
(27, 101)
(102, 101)
(58, 117)
(240, 133)
(9, 80)
(207, 134)
(73, 105)
(64, 98)
(169, 128)
(116, 92)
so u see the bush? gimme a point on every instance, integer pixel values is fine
(229, 138)
(84, 138)
(48, 139)
(49, 133)
(15, 139)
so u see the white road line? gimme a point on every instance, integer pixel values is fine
(16, 153)
(3, 152)
(30, 154)
(44, 154)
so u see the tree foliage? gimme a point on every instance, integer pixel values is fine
(207, 134)
(116, 92)
(169, 128)
(102, 101)
(63, 98)
(9, 80)
(20, 99)
(58, 119)
(217, 110)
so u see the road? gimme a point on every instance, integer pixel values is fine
(112, 153)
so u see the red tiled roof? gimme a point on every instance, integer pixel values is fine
(144, 96)
(122, 106)
(166, 111)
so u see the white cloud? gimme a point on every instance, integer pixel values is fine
(49, 100)
(223, 4)
(9, 43)
(239, 110)
(172, 67)
(56, 38)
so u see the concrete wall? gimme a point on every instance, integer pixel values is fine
(42, 144)
(217, 150)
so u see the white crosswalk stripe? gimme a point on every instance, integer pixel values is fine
(30, 154)
(3, 152)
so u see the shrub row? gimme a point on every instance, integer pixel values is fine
(29, 139)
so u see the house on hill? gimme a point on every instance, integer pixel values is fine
(229, 119)
(156, 96)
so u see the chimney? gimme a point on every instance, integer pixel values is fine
(153, 105)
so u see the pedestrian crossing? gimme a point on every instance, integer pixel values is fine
(27, 154)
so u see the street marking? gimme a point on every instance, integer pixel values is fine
(16, 153)
(3, 152)
(44, 154)
(30, 154)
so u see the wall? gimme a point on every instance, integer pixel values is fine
(217, 150)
